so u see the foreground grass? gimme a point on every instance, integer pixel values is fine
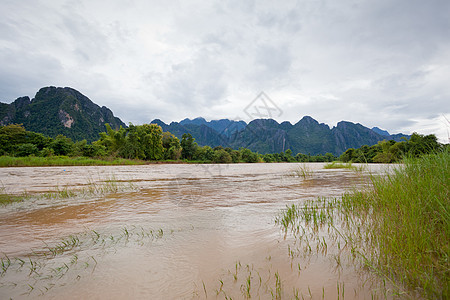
(32, 161)
(400, 228)
(409, 223)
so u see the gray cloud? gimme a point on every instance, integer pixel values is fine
(380, 63)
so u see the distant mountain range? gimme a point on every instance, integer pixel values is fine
(66, 111)
(268, 136)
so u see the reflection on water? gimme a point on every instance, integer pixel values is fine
(218, 236)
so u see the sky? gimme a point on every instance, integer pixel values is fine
(383, 63)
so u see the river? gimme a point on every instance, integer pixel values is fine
(168, 231)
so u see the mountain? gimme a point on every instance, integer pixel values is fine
(57, 110)
(380, 131)
(268, 136)
(204, 135)
(225, 127)
(306, 136)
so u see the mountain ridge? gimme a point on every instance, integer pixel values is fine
(57, 110)
(307, 136)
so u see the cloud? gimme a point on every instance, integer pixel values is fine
(380, 63)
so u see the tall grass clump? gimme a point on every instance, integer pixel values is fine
(338, 165)
(302, 171)
(407, 230)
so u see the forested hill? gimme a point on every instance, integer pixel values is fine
(57, 110)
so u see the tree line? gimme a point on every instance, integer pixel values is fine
(148, 142)
(391, 151)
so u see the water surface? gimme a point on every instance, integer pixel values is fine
(170, 232)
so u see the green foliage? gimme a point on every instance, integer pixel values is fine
(391, 151)
(398, 227)
(171, 145)
(419, 144)
(222, 156)
(188, 145)
(82, 148)
(149, 142)
(268, 158)
(235, 155)
(248, 156)
(150, 136)
(14, 136)
(135, 142)
(204, 153)
(409, 226)
(62, 145)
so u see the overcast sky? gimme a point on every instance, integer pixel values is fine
(382, 63)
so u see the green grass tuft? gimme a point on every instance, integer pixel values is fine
(338, 165)
(399, 227)
(409, 223)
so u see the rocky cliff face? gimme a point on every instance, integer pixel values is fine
(56, 110)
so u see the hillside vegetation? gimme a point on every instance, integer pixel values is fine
(149, 142)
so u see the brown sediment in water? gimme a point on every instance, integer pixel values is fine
(217, 239)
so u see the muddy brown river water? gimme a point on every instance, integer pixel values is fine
(169, 231)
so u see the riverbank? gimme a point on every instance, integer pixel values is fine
(409, 227)
(36, 161)
(398, 227)
(52, 161)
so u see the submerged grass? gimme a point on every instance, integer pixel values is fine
(302, 171)
(92, 188)
(399, 227)
(338, 165)
(349, 166)
(43, 268)
(6, 199)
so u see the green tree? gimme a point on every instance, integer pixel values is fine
(222, 156)
(112, 140)
(329, 157)
(347, 155)
(151, 141)
(131, 146)
(268, 158)
(300, 157)
(171, 145)
(419, 144)
(14, 135)
(288, 155)
(248, 156)
(235, 156)
(188, 146)
(62, 145)
(204, 153)
(26, 150)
